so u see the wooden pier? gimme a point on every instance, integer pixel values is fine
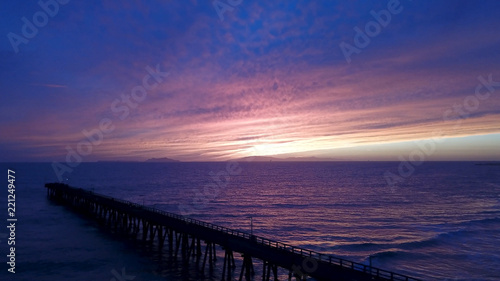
(195, 241)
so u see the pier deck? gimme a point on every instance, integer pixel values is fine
(187, 237)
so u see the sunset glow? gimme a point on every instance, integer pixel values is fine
(269, 79)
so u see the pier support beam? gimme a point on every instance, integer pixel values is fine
(228, 264)
(184, 234)
(210, 253)
(266, 271)
(247, 268)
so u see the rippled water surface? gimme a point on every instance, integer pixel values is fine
(442, 223)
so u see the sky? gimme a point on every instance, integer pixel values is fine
(218, 80)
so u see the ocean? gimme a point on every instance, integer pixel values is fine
(440, 223)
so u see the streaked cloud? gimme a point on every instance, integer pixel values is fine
(50, 85)
(270, 79)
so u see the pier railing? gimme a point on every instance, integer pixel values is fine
(343, 263)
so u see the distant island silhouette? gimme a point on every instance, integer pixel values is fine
(288, 159)
(164, 159)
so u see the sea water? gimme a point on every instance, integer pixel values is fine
(442, 222)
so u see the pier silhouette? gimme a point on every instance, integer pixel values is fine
(195, 241)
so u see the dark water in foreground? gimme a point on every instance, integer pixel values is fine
(442, 223)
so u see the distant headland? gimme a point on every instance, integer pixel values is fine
(164, 159)
(489, 164)
(288, 159)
